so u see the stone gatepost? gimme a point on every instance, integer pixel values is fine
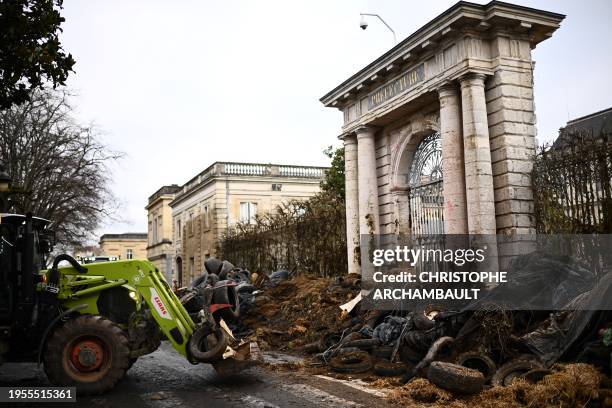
(352, 202)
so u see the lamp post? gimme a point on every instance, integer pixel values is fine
(364, 24)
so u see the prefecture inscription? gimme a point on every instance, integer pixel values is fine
(399, 85)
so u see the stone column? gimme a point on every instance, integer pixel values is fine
(477, 156)
(352, 203)
(453, 167)
(367, 181)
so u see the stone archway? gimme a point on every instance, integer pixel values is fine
(409, 139)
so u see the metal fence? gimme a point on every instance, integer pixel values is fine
(572, 185)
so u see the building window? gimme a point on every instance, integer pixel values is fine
(190, 223)
(154, 231)
(178, 227)
(248, 211)
(129, 254)
(160, 235)
(277, 187)
(206, 219)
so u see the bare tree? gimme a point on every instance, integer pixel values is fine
(60, 165)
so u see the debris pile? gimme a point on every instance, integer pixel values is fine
(455, 358)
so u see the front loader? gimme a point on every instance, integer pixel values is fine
(87, 324)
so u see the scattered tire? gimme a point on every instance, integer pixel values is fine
(455, 378)
(207, 346)
(536, 375)
(199, 280)
(363, 343)
(311, 348)
(383, 352)
(213, 265)
(191, 302)
(478, 361)
(409, 355)
(225, 293)
(245, 287)
(131, 362)
(328, 340)
(351, 363)
(89, 352)
(386, 368)
(226, 267)
(213, 279)
(513, 369)
(422, 322)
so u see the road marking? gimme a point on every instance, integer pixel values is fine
(252, 401)
(356, 384)
(317, 396)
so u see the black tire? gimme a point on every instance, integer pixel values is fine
(365, 344)
(536, 375)
(226, 267)
(191, 302)
(455, 378)
(383, 352)
(422, 322)
(386, 368)
(205, 346)
(213, 265)
(351, 363)
(213, 279)
(245, 287)
(199, 280)
(409, 355)
(478, 361)
(131, 362)
(225, 293)
(513, 369)
(72, 346)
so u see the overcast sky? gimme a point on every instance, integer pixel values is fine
(177, 85)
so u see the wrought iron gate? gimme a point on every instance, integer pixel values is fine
(426, 193)
(426, 198)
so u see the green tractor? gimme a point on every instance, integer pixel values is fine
(87, 324)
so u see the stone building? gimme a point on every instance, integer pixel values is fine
(439, 132)
(159, 233)
(225, 194)
(129, 245)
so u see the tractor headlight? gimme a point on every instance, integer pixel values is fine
(133, 295)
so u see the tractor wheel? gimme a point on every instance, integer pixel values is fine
(131, 362)
(89, 352)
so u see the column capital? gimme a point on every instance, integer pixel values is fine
(472, 79)
(365, 131)
(447, 89)
(348, 139)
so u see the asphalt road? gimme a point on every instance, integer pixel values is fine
(164, 379)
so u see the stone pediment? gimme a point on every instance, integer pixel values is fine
(454, 43)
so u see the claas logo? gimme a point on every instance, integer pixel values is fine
(161, 305)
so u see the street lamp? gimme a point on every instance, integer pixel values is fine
(364, 24)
